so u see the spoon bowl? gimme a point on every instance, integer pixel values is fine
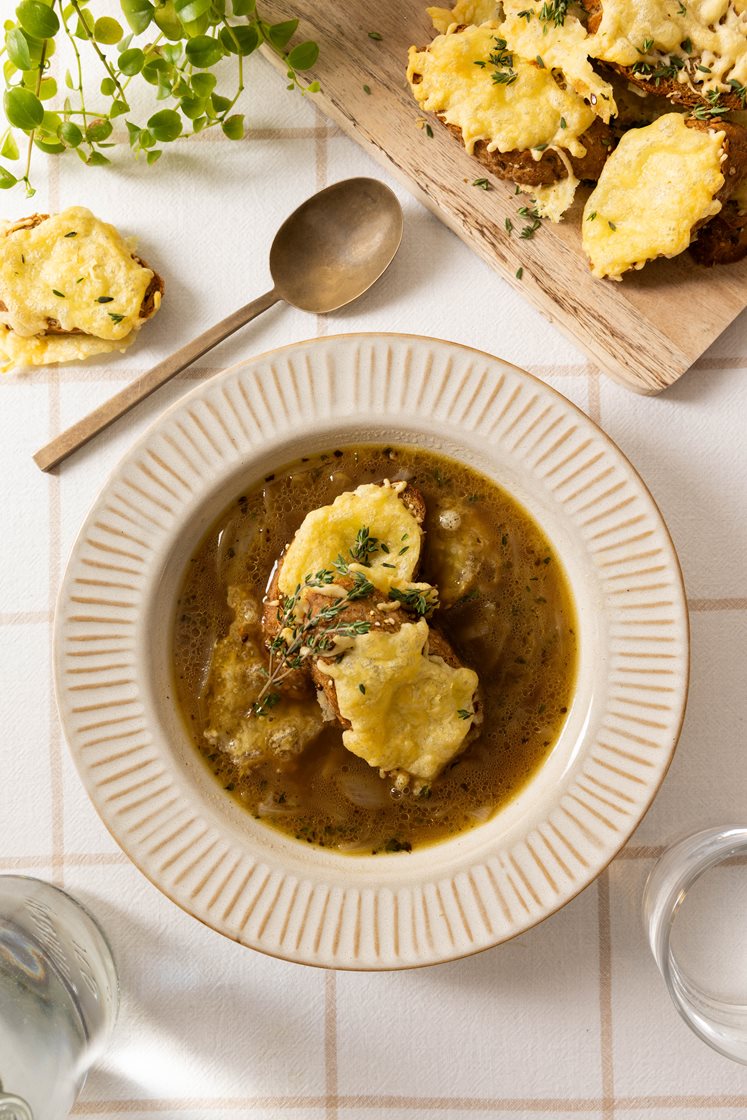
(326, 254)
(336, 245)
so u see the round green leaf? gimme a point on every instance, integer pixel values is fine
(203, 84)
(107, 31)
(165, 125)
(204, 52)
(234, 126)
(108, 86)
(168, 21)
(146, 139)
(98, 130)
(37, 19)
(70, 134)
(23, 108)
(85, 25)
(153, 155)
(132, 61)
(138, 14)
(118, 108)
(49, 147)
(239, 39)
(243, 7)
(192, 107)
(190, 10)
(6, 179)
(281, 33)
(47, 88)
(153, 70)
(17, 46)
(9, 149)
(220, 104)
(97, 159)
(303, 56)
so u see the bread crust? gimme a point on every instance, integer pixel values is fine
(521, 166)
(723, 239)
(148, 305)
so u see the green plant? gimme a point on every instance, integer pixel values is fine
(172, 48)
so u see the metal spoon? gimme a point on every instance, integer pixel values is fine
(326, 254)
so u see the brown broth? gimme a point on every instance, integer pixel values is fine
(509, 616)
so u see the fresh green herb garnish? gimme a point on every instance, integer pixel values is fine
(554, 11)
(367, 89)
(464, 714)
(420, 600)
(114, 317)
(483, 184)
(105, 299)
(503, 61)
(311, 635)
(60, 295)
(364, 547)
(376, 35)
(73, 233)
(362, 689)
(612, 225)
(519, 272)
(428, 131)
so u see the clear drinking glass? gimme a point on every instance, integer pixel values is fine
(695, 910)
(58, 998)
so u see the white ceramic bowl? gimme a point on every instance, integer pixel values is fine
(114, 624)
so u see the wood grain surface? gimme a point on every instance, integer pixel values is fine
(644, 331)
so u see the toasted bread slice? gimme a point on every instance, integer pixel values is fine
(31, 331)
(523, 168)
(528, 126)
(723, 240)
(621, 230)
(677, 57)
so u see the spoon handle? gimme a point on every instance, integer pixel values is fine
(79, 434)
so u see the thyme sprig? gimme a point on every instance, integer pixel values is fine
(503, 61)
(171, 48)
(422, 600)
(304, 633)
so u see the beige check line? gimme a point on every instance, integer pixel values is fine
(562, 1106)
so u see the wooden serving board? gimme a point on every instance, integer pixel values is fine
(644, 331)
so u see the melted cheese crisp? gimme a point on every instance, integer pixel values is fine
(330, 531)
(516, 116)
(714, 30)
(657, 185)
(408, 716)
(553, 201)
(464, 12)
(74, 273)
(565, 48)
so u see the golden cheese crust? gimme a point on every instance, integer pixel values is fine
(151, 299)
(680, 93)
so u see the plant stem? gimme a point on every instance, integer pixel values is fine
(99, 52)
(30, 148)
(79, 67)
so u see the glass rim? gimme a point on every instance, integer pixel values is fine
(675, 872)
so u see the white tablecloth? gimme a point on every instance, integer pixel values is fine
(572, 1018)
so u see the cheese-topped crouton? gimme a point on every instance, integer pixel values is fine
(377, 527)
(70, 287)
(658, 186)
(407, 711)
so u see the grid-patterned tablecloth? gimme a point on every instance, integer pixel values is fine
(571, 1018)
